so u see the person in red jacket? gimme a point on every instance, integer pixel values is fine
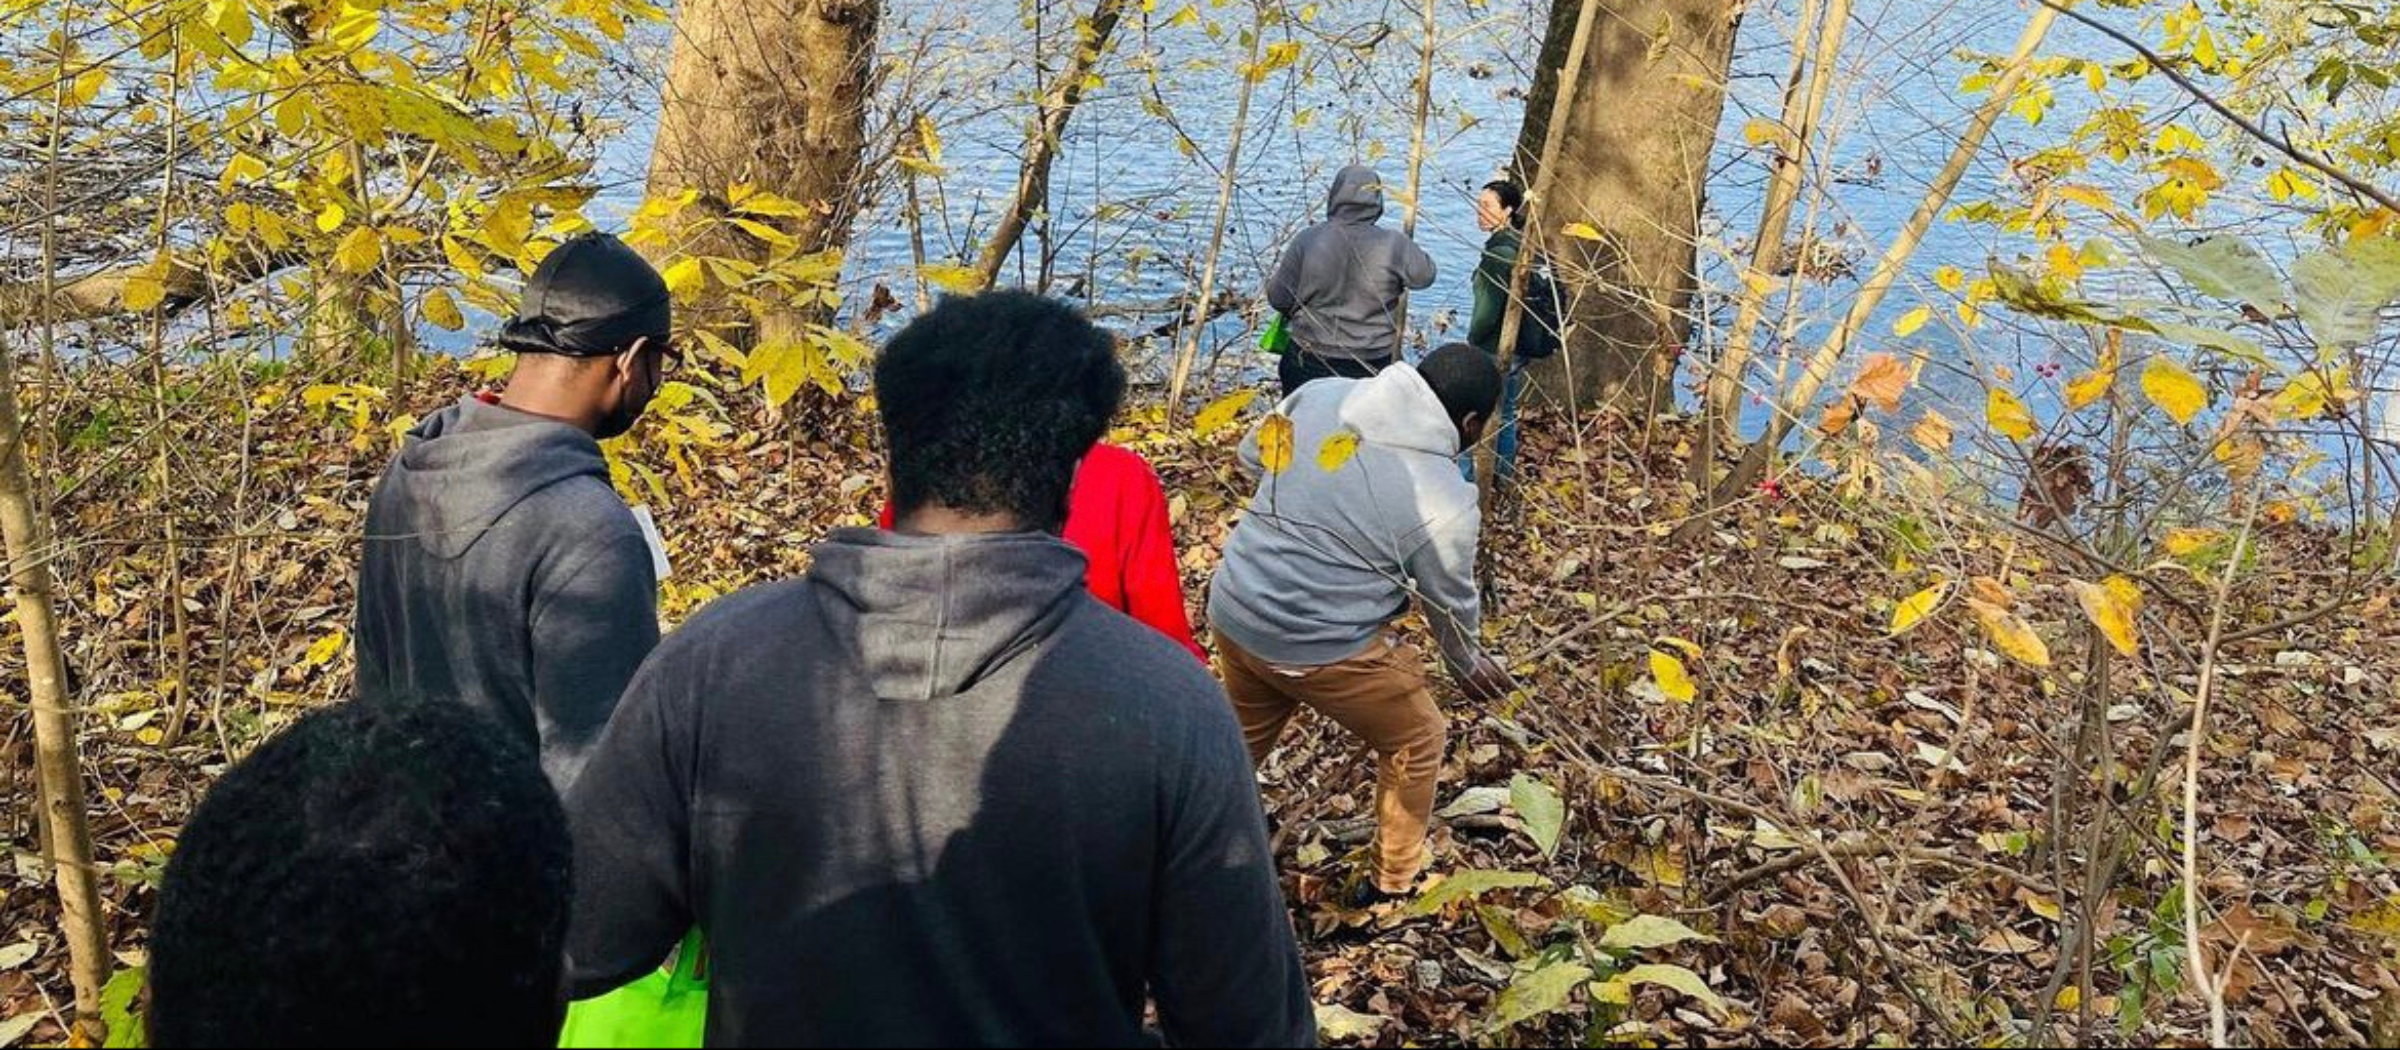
(1117, 516)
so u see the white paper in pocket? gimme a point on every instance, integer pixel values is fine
(658, 545)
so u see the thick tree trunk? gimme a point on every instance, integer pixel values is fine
(58, 762)
(773, 93)
(1633, 168)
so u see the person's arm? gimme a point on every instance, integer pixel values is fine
(1225, 970)
(631, 818)
(591, 630)
(1153, 585)
(1416, 266)
(1283, 287)
(1491, 294)
(1444, 570)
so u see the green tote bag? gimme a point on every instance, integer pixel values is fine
(663, 1008)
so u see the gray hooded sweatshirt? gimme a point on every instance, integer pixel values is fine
(935, 794)
(1340, 282)
(502, 571)
(1324, 560)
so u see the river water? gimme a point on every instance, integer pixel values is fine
(1132, 211)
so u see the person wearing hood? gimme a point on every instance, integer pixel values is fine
(933, 792)
(502, 571)
(1340, 283)
(1324, 560)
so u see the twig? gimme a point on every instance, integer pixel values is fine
(1871, 848)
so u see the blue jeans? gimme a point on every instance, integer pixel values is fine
(1505, 445)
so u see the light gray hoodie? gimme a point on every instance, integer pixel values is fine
(1339, 284)
(503, 571)
(1324, 559)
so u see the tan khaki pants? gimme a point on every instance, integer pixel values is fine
(1381, 696)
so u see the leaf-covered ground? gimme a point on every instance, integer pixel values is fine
(1841, 836)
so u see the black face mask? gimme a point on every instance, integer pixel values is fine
(619, 420)
(629, 407)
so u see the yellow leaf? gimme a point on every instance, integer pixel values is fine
(2085, 389)
(1916, 607)
(1275, 443)
(1910, 322)
(1761, 131)
(2185, 542)
(2095, 77)
(87, 86)
(1950, 279)
(2042, 906)
(325, 649)
(1932, 433)
(1690, 648)
(2008, 415)
(2011, 634)
(2173, 390)
(1673, 680)
(359, 251)
(1337, 450)
(684, 275)
(952, 278)
(146, 288)
(441, 311)
(2107, 608)
(331, 218)
(1222, 411)
(2070, 998)
(1582, 231)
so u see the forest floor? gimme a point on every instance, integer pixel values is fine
(1859, 837)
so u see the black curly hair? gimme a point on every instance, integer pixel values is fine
(988, 401)
(387, 873)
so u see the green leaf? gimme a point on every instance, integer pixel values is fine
(2341, 295)
(2222, 267)
(1544, 815)
(1650, 931)
(1678, 979)
(117, 1001)
(1467, 885)
(1539, 992)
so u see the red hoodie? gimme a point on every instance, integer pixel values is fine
(1117, 516)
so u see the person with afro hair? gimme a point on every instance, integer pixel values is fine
(392, 874)
(933, 793)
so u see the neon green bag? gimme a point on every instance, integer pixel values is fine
(663, 1008)
(1275, 340)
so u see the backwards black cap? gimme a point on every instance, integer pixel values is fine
(590, 297)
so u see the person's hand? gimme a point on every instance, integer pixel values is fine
(1484, 680)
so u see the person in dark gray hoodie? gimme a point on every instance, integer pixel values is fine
(1339, 286)
(934, 793)
(502, 571)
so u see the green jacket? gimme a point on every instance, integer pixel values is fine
(1491, 288)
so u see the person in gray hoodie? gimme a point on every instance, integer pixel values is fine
(1325, 559)
(934, 793)
(502, 571)
(1339, 285)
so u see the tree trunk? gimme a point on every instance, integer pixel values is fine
(775, 94)
(58, 764)
(1633, 167)
(1049, 124)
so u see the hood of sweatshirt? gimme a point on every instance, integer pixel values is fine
(1396, 409)
(465, 466)
(933, 615)
(1356, 196)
